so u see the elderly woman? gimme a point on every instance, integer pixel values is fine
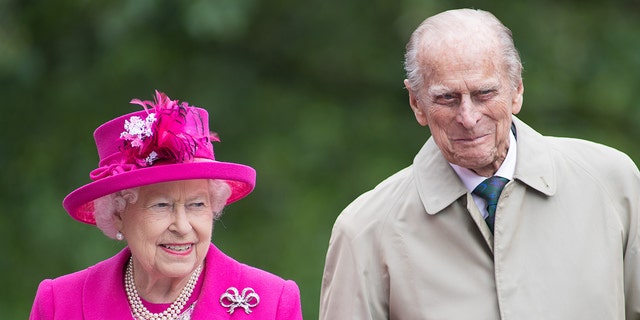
(159, 188)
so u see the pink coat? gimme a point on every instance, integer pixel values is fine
(98, 292)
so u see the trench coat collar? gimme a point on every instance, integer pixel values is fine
(439, 186)
(104, 296)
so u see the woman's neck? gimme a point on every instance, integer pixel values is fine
(160, 307)
(158, 289)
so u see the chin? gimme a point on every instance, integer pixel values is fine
(178, 271)
(472, 161)
(477, 166)
(184, 266)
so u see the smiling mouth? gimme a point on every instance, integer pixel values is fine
(471, 139)
(178, 248)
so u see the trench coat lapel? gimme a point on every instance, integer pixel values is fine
(534, 166)
(437, 183)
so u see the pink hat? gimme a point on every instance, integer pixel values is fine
(166, 141)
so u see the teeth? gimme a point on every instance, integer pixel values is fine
(178, 248)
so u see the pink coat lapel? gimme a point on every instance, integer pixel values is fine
(279, 299)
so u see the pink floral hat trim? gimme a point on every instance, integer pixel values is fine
(167, 141)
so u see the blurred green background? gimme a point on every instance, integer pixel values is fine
(309, 93)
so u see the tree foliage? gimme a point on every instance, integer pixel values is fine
(307, 92)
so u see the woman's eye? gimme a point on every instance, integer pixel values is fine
(198, 205)
(162, 205)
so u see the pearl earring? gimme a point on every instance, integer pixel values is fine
(119, 236)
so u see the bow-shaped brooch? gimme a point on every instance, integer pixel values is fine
(232, 299)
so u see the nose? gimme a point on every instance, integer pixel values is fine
(468, 115)
(181, 223)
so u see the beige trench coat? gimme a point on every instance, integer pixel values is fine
(566, 243)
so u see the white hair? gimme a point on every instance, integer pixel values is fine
(105, 208)
(453, 23)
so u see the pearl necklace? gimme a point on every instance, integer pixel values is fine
(141, 312)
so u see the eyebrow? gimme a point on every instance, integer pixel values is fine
(439, 89)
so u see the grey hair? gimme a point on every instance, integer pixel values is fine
(450, 23)
(106, 208)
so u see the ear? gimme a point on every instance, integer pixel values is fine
(516, 103)
(414, 102)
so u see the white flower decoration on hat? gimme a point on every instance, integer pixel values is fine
(136, 130)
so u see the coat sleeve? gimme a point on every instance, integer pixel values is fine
(632, 268)
(632, 283)
(352, 285)
(628, 180)
(289, 307)
(42, 308)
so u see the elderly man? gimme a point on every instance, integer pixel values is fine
(492, 220)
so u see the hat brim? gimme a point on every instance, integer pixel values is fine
(241, 179)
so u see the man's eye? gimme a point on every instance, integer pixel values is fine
(162, 205)
(446, 98)
(486, 94)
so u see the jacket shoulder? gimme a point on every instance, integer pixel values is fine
(56, 296)
(72, 295)
(377, 203)
(593, 157)
(67, 285)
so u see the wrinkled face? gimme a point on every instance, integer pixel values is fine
(467, 102)
(168, 228)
